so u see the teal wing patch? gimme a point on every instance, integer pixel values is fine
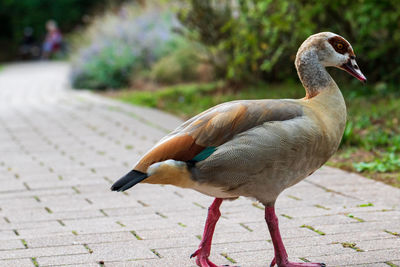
(205, 153)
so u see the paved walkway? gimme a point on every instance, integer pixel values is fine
(60, 150)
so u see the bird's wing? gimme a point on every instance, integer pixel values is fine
(216, 126)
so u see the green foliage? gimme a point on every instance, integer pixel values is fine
(182, 65)
(390, 162)
(184, 100)
(111, 67)
(373, 122)
(373, 125)
(258, 39)
(251, 38)
(187, 100)
(207, 20)
(117, 47)
(167, 71)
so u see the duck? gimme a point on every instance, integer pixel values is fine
(256, 148)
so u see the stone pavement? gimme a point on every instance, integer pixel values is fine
(60, 150)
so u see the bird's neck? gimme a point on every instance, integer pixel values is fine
(312, 73)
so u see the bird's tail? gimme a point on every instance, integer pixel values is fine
(129, 180)
(165, 172)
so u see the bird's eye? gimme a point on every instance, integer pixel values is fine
(339, 46)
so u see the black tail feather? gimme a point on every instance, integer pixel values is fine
(129, 180)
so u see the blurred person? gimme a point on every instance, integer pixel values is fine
(53, 40)
(28, 48)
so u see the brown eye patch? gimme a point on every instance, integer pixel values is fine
(340, 45)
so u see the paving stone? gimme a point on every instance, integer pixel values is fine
(77, 214)
(40, 232)
(375, 264)
(380, 244)
(254, 258)
(72, 239)
(119, 251)
(11, 186)
(16, 262)
(29, 225)
(336, 238)
(39, 192)
(81, 265)
(38, 252)
(378, 256)
(7, 235)
(11, 244)
(183, 253)
(28, 215)
(82, 259)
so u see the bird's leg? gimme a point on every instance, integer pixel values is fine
(203, 252)
(281, 257)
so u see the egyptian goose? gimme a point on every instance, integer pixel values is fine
(256, 148)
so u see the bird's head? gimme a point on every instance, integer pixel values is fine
(334, 51)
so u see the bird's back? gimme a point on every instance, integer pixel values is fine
(266, 159)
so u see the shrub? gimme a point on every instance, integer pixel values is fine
(167, 70)
(183, 65)
(389, 162)
(108, 67)
(259, 38)
(117, 46)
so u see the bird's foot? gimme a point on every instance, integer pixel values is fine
(202, 259)
(297, 264)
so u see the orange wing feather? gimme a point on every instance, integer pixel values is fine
(181, 148)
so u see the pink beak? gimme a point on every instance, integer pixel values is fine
(352, 68)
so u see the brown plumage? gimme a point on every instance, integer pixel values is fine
(182, 147)
(257, 148)
(216, 126)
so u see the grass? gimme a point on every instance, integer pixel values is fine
(352, 246)
(225, 255)
(287, 216)
(312, 229)
(136, 235)
(24, 243)
(155, 252)
(392, 233)
(34, 261)
(355, 218)
(365, 205)
(370, 144)
(190, 99)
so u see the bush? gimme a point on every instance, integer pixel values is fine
(117, 46)
(259, 38)
(182, 65)
(108, 67)
(167, 70)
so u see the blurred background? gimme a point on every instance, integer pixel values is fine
(184, 56)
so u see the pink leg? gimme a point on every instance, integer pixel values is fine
(281, 257)
(203, 252)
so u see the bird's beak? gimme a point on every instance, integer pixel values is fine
(352, 68)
